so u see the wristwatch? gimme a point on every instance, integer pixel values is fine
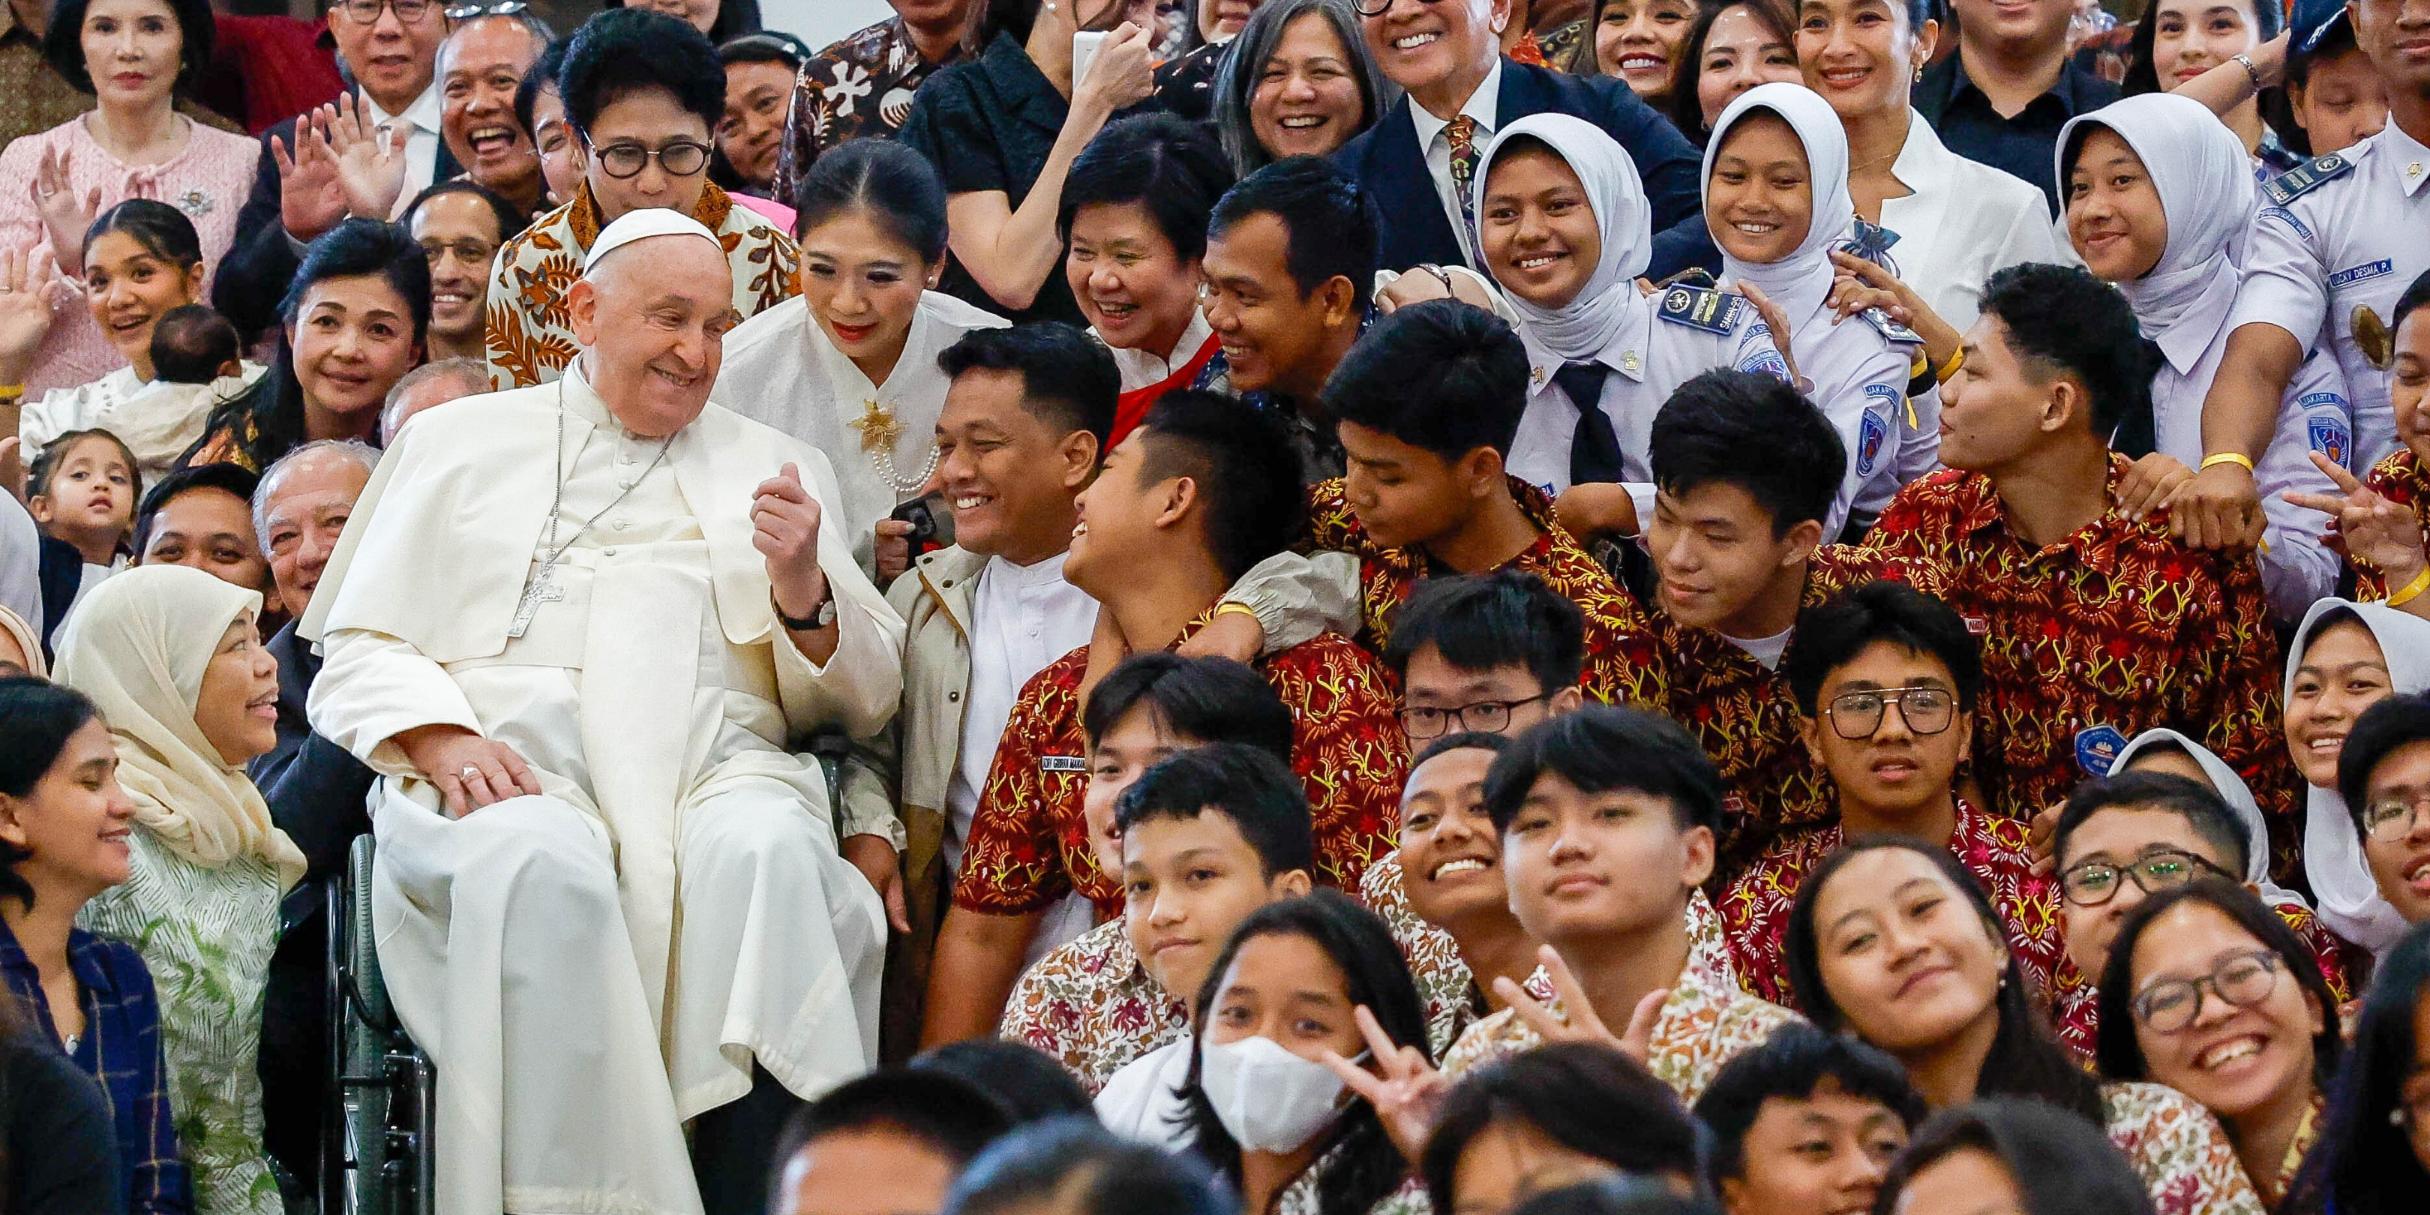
(824, 616)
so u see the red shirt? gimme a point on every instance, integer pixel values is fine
(2400, 479)
(267, 69)
(2095, 638)
(1029, 840)
(1621, 664)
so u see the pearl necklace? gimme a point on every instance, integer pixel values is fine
(879, 431)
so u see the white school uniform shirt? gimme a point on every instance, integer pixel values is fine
(1961, 221)
(1484, 105)
(2345, 232)
(1140, 1102)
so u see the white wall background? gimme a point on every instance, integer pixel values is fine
(819, 22)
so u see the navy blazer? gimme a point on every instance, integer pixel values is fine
(1388, 162)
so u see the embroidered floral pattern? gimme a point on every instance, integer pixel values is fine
(1444, 982)
(1091, 1005)
(2179, 1150)
(858, 88)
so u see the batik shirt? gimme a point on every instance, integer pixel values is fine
(2398, 478)
(1444, 983)
(1091, 1005)
(1029, 841)
(2179, 1151)
(2075, 1013)
(1621, 660)
(1742, 714)
(1707, 1021)
(2097, 637)
(1755, 909)
(858, 88)
(531, 329)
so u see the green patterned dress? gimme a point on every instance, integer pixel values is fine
(206, 934)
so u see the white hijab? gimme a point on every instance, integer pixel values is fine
(2232, 790)
(2349, 901)
(2205, 181)
(1800, 282)
(138, 644)
(1580, 330)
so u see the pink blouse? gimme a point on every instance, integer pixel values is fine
(208, 181)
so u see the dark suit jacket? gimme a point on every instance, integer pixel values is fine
(1388, 162)
(253, 278)
(316, 790)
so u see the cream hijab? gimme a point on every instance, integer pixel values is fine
(27, 641)
(1579, 330)
(2348, 898)
(2205, 181)
(138, 645)
(1800, 282)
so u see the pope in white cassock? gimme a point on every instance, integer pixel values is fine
(577, 629)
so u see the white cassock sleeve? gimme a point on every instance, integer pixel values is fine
(373, 687)
(860, 686)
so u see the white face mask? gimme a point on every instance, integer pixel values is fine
(1268, 1099)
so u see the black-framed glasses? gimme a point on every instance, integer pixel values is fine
(2390, 819)
(681, 158)
(2242, 980)
(365, 12)
(503, 8)
(1483, 716)
(1377, 8)
(1926, 710)
(2096, 882)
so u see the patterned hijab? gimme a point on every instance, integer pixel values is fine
(139, 644)
(2348, 897)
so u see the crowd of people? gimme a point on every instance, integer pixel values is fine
(1245, 607)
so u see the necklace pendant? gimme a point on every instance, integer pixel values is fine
(878, 428)
(541, 589)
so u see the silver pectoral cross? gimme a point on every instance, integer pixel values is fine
(541, 589)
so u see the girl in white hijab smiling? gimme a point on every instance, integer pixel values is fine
(1776, 200)
(2159, 197)
(2346, 657)
(171, 658)
(1565, 229)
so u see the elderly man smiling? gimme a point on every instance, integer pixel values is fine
(579, 647)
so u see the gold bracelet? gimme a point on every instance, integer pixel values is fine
(2228, 457)
(1225, 609)
(2413, 590)
(1957, 359)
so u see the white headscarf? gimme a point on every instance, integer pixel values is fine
(1801, 281)
(138, 644)
(2346, 895)
(2232, 790)
(1581, 329)
(2205, 181)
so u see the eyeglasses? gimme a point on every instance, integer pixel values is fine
(2390, 819)
(2096, 882)
(504, 8)
(681, 158)
(365, 12)
(2243, 980)
(1377, 8)
(1858, 714)
(1484, 717)
(470, 252)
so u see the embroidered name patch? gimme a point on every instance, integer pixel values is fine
(1062, 763)
(2355, 274)
(1700, 308)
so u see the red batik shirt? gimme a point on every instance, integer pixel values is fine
(1755, 907)
(2400, 479)
(1742, 714)
(1620, 666)
(1029, 841)
(2076, 1011)
(2093, 639)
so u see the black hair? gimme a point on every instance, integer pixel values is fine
(1586, 1097)
(1793, 1064)
(1479, 622)
(1068, 379)
(178, 482)
(1243, 66)
(267, 420)
(63, 42)
(2024, 1059)
(162, 230)
(623, 51)
(2060, 320)
(2143, 75)
(1831, 634)
(895, 186)
(1603, 748)
(735, 18)
(1620, 1194)
(1330, 218)
(1443, 376)
(2364, 1163)
(991, 19)
(2380, 732)
(2060, 1161)
(763, 46)
(1266, 803)
(1731, 427)
(46, 466)
(2120, 1051)
(2197, 803)
(1075, 1166)
(37, 718)
(1360, 1165)
(511, 219)
(542, 74)
(945, 1113)
(1686, 110)
(191, 344)
(1466, 740)
(2416, 294)
(1250, 494)
(2278, 105)
(1026, 1081)
(1169, 166)
(1202, 699)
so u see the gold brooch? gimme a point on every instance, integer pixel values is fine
(878, 428)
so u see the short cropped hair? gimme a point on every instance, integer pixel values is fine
(1588, 1098)
(1830, 635)
(1075, 1166)
(1443, 376)
(949, 1116)
(1202, 699)
(1742, 428)
(2380, 732)
(1249, 488)
(1245, 784)
(1167, 165)
(178, 482)
(1330, 218)
(623, 51)
(2060, 320)
(1068, 379)
(1793, 1064)
(2168, 793)
(1600, 749)
(1481, 622)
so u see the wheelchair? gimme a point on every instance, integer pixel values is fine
(377, 1154)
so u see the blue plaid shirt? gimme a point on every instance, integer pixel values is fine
(120, 1047)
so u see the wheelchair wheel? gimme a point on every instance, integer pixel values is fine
(376, 1150)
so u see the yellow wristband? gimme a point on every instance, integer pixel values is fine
(10, 392)
(1957, 359)
(1225, 609)
(2412, 590)
(2228, 457)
